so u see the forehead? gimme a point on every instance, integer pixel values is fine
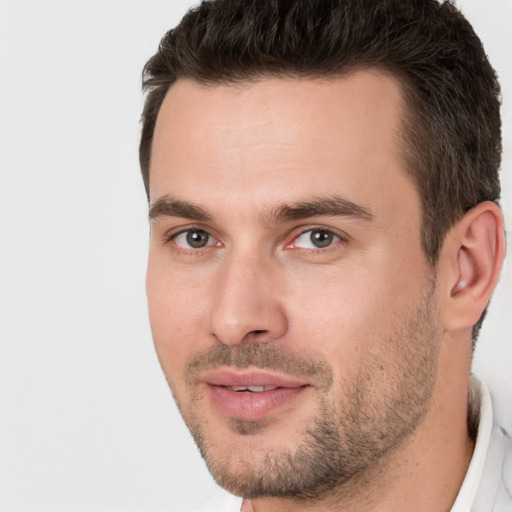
(277, 137)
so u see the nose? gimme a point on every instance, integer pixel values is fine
(247, 302)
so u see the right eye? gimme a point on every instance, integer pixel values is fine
(193, 239)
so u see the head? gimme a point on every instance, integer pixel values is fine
(399, 86)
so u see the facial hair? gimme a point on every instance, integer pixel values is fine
(357, 423)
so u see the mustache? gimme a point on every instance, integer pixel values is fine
(264, 356)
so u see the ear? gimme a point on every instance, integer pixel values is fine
(470, 264)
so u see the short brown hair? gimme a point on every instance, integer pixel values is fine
(452, 128)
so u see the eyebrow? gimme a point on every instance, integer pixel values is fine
(319, 207)
(167, 206)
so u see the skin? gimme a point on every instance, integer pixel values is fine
(237, 154)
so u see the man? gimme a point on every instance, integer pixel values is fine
(325, 239)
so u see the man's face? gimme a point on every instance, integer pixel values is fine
(292, 308)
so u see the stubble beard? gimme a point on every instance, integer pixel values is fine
(355, 426)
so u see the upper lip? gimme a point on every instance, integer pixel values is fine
(230, 377)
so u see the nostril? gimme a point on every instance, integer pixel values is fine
(256, 335)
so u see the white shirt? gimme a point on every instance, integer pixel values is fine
(487, 486)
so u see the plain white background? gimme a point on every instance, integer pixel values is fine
(86, 420)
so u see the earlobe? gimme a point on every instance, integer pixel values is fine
(477, 247)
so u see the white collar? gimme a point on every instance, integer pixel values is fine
(469, 488)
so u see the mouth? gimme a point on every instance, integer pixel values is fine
(252, 389)
(251, 395)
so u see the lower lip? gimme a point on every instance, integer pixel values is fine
(245, 405)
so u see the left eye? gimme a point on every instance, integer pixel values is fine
(316, 239)
(193, 239)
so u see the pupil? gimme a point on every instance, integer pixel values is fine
(197, 239)
(321, 238)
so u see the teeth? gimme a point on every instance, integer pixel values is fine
(252, 389)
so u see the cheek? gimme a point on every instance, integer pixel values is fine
(176, 314)
(349, 315)
(335, 305)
